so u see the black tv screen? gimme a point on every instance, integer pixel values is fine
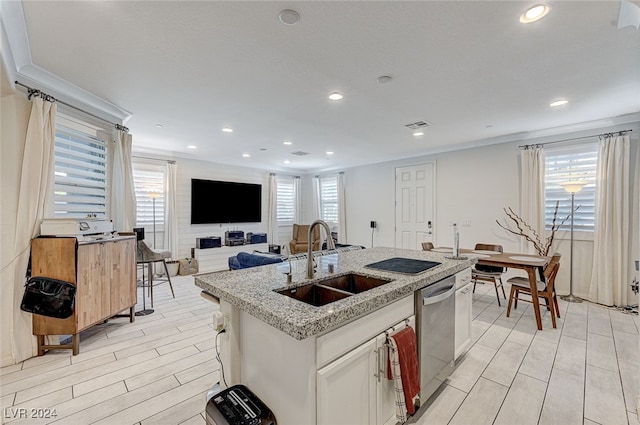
(215, 201)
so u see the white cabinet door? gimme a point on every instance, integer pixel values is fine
(347, 388)
(463, 319)
(385, 393)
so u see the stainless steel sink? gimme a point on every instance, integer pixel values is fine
(354, 283)
(317, 295)
(333, 288)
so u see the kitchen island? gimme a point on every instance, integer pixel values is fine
(306, 362)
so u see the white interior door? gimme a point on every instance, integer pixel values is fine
(414, 206)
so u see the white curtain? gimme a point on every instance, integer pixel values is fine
(297, 200)
(171, 210)
(611, 255)
(316, 198)
(122, 202)
(532, 190)
(272, 212)
(34, 197)
(342, 210)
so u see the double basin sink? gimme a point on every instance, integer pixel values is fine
(333, 288)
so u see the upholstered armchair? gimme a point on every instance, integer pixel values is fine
(299, 238)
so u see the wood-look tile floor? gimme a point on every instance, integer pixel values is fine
(586, 371)
(158, 369)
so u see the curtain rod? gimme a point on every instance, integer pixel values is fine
(36, 92)
(620, 133)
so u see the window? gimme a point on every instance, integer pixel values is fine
(148, 180)
(571, 163)
(329, 199)
(80, 171)
(286, 205)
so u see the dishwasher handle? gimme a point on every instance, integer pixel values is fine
(440, 295)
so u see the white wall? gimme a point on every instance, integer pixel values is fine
(188, 169)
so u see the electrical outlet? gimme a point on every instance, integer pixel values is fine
(219, 321)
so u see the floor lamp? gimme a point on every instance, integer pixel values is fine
(154, 196)
(572, 187)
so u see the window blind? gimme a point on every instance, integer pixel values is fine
(80, 175)
(329, 199)
(571, 163)
(285, 201)
(148, 183)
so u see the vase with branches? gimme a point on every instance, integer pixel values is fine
(529, 233)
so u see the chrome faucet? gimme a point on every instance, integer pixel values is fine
(330, 245)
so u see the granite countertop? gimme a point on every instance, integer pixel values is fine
(252, 290)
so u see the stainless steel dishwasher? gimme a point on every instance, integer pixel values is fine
(435, 311)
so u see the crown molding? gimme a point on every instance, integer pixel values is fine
(16, 56)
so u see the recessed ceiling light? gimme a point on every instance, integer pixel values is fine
(192, 147)
(383, 79)
(286, 142)
(289, 17)
(418, 133)
(286, 161)
(245, 155)
(158, 125)
(534, 13)
(336, 96)
(329, 152)
(559, 102)
(227, 129)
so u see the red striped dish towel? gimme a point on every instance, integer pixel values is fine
(404, 370)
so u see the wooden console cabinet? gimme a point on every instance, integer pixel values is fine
(105, 275)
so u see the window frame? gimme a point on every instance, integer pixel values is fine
(288, 205)
(143, 200)
(83, 139)
(583, 167)
(332, 181)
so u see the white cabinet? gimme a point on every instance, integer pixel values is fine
(354, 388)
(463, 312)
(346, 388)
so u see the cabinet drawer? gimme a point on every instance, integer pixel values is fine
(335, 343)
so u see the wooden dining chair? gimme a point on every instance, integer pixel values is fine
(545, 290)
(493, 274)
(427, 246)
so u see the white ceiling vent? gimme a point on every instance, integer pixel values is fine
(299, 153)
(418, 124)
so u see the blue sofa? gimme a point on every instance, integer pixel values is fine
(245, 260)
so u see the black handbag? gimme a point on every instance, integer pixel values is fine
(48, 297)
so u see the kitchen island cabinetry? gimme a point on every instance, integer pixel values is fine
(319, 364)
(464, 287)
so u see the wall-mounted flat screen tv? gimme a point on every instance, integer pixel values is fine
(215, 201)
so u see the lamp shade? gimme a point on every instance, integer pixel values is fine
(153, 195)
(573, 186)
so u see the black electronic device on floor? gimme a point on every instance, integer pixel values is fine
(237, 405)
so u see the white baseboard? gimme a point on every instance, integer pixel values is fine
(638, 409)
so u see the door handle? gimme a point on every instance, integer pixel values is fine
(379, 371)
(428, 300)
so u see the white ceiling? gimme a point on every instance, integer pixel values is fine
(471, 69)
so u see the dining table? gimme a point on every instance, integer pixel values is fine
(533, 265)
